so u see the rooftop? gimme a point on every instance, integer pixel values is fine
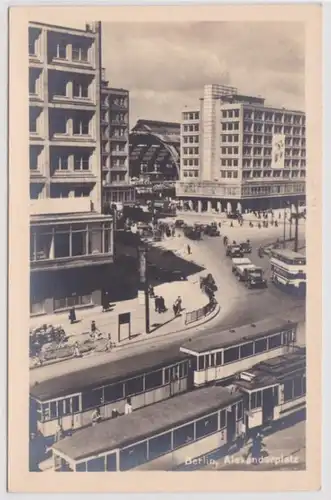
(98, 376)
(146, 422)
(286, 252)
(229, 338)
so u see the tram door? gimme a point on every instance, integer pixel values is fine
(268, 403)
(231, 423)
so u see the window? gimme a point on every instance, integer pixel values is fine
(261, 345)
(159, 445)
(80, 89)
(81, 467)
(111, 462)
(183, 370)
(33, 115)
(239, 410)
(288, 390)
(74, 300)
(223, 419)
(81, 126)
(134, 386)
(61, 244)
(75, 404)
(298, 387)
(61, 50)
(206, 425)
(78, 242)
(201, 363)
(218, 358)
(231, 354)
(246, 350)
(133, 456)
(60, 162)
(275, 341)
(32, 43)
(96, 465)
(153, 380)
(183, 435)
(92, 398)
(34, 154)
(79, 53)
(32, 82)
(256, 400)
(43, 245)
(53, 409)
(82, 161)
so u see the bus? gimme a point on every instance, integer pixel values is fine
(288, 271)
(221, 355)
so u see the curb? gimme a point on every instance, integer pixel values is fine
(194, 325)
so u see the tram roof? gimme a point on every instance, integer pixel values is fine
(286, 252)
(146, 422)
(99, 375)
(232, 337)
(274, 370)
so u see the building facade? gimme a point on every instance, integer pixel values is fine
(238, 154)
(115, 146)
(71, 241)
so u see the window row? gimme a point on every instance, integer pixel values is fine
(232, 354)
(190, 162)
(267, 190)
(191, 173)
(229, 163)
(190, 128)
(230, 126)
(190, 151)
(225, 174)
(294, 388)
(256, 398)
(73, 241)
(191, 139)
(230, 151)
(191, 116)
(274, 117)
(230, 113)
(229, 138)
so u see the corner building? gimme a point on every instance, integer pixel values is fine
(238, 154)
(71, 241)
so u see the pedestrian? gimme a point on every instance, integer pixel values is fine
(76, 350)
(58, 433)
(220, 224)
(128, 407)
(105, 303)
(189, 249)
(179, 303)
(94, 330)
(157, 303)
(96, 416)
(72, 315)
(175, 309)
(231, 225)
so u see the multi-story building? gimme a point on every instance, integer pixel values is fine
(115, 145)
(237, 153)
(71, 241)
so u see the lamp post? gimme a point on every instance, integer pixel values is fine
(143, 281)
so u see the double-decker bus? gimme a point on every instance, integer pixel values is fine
(288, 271)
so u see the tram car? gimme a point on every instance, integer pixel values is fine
(274, 391)
(69, 400)
(220, 355)
(157, 437)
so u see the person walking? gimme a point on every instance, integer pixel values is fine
(128, 407)
(72, 315)
(188, 249)
(96, 417)
(76, 350)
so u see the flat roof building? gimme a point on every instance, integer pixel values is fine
(237, 153)
(71, 241)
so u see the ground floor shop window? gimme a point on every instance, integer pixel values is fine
(37, 307)
(73, 301)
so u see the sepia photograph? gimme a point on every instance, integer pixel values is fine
(167, 274)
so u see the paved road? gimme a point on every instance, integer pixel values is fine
(239, 305)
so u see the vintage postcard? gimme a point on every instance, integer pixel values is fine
(165, 170)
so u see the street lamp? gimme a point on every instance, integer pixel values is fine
(143, 281)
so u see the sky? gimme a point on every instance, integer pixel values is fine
(166, 65)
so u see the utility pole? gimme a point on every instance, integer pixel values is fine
(296, 237)
(142, 255)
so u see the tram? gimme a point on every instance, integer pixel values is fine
(220, 355)
(69, 400)
(158, 437)
(274, 390)
(288, 271)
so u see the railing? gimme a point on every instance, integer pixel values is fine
(200, 313)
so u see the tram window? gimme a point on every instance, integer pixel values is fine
(201, 362)
(275, 394)
(53, 409)
(246, 350)
(212, 359)
(261, 345)
(159, 445)
(239, 410)
(134, 386)
(153, 380)
(46, 412)
(223, 419)
(166, 375)
(207, 361)
(218, 359)
(75, 404)
(133, 456)
(91, 399)
(288, 390)
(275, 341)
(113, 392)
(231, 355)
(183, 435)
(297, 387)
(111, 462)
(185, 369)
(256, 400)
(96, 465)
(304, 384)
(193, 363)
(60, 404)
(206, 425)
(81, 467)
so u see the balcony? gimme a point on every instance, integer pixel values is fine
(119, 153)
(68, 139)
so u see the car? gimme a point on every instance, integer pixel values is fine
(234, 251)
(212, 231)
(246, 247)
(179, 223)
